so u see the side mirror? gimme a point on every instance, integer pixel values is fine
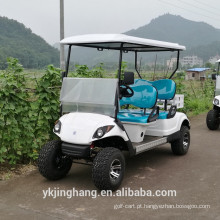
(128, 78)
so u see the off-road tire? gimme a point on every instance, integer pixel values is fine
(212, 120)
(181, 145)
(52, 164)
(105, 167)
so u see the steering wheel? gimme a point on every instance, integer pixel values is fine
(126, 92)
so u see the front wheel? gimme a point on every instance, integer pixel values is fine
(181, 145)
(52, 164)
(108, 169)
(212, 120)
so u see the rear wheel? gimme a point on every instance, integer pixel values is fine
(52, 164)
(108, 169)
(181, 145)
(212, 120)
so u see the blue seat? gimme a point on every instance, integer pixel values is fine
(166, 87)
(145, 96)
(166, 91)
(162, 114)
(133, 117)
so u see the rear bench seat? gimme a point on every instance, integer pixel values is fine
(145, 96)
(166, 89)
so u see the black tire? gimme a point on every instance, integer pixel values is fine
(108, 169)
(181, 145)
(52, 164)
(212, 120)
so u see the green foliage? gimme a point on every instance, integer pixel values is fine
(84, 71)
(26, 121)
(45, 109)
(16, 132)
(197, 96)
(123, 68)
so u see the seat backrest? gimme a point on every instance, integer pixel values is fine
(166, 87)
(145, 96)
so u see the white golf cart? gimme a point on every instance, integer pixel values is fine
(97, 123)
(213, 116)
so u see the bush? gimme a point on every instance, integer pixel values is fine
(26, 121)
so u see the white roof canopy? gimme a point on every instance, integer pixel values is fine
(121, 41)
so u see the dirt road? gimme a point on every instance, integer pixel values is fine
(195, 177)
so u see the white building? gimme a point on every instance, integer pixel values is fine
(191, 61)
(213, 60)
(171, 63)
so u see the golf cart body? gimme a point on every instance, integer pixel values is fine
(213, 116)
(96, 121)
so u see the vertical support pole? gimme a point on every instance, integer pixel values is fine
(68, 61)
(177, 64)
(62, 56)
(120, 64)
(136, 66)
(117, 96)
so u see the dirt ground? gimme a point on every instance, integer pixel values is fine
(195, 177)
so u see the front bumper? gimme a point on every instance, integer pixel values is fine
(76, 151)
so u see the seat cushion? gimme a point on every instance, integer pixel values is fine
(162, 115)
(133, 117)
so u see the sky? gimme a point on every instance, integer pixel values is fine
(103, 16)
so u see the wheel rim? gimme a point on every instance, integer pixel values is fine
(115, 169)
(185, 141)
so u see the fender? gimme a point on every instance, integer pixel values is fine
(79, 128)
(165, 127)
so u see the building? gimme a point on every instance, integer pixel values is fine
(191, 61)
(196, 73)
(171, 63)
(213, 60)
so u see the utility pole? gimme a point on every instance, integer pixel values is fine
(62, 57)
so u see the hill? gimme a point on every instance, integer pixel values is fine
(18, 41)
(175, 28)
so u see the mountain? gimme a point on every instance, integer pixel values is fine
(174, 28)
(18, 41)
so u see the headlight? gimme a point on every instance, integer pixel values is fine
(57, 127)
(216, 102)
(100, 132)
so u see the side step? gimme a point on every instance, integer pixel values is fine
(149, 145)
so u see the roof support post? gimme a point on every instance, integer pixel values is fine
(177, 64)
(120, 64)
(136, 67)
(68, 61)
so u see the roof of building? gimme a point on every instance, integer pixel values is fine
(116, 41)
(198, 69)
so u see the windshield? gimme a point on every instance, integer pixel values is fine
(89, 95)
